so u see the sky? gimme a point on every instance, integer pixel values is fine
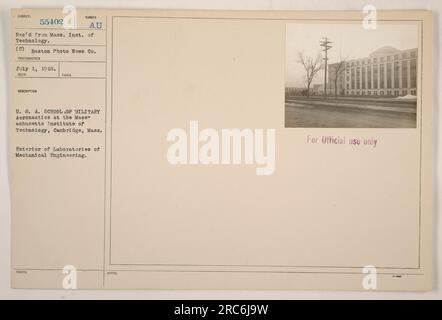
(349, 41)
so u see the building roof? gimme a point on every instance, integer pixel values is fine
(386, 50)
(382, 51)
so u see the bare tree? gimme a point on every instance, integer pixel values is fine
(338, 69)
(311, 66)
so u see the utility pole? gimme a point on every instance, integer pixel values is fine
(327, 45)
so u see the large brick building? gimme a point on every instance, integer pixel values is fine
(386, 72)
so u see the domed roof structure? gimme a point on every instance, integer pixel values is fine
(384, 51)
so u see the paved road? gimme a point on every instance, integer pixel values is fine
(349, 113)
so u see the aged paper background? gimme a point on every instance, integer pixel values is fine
(224, 114)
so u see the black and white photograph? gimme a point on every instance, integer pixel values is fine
(345, 75)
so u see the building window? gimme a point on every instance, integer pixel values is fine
(375, 77)
(353, 78)
(363, 77)
(369, 78)
(412, 54)
(396, 74)
(404, 74)
(404, 56)
(382, 76)
(413, 73)
(358, 78)
(389, 75)
(396, 56)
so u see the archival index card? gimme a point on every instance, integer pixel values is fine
(221, 149)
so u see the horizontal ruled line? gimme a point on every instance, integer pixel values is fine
(60, 77)
(33, 61)
(60, 45)
(36, 28)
